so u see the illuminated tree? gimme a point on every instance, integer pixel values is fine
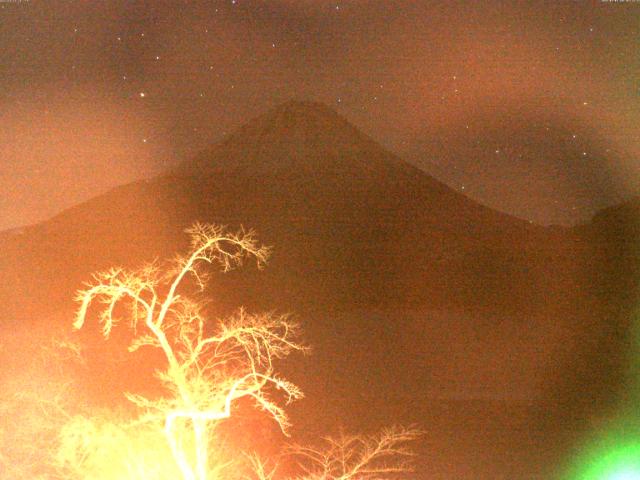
(29, 426)
(351, 457)
(34, 405)
(205, 373)
(207, 369)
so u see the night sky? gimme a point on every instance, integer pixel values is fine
(530, 107)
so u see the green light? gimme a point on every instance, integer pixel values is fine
(621, 462)
(626, 474)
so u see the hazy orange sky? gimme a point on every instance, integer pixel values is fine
(530, 107)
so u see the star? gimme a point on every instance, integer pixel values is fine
(142, 94)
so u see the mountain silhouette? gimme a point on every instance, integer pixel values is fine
(314, 187)
(297, 139)
(408, 290)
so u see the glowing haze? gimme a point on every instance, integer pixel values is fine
(96, 94)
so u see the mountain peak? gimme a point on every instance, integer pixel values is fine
(302, 121)
(306, 114)
(303, 108)
(296, 138)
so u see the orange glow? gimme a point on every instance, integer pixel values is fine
(208, 370)
(83, 146)
(205, 373)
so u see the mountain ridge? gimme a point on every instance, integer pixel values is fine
(297, 167)
(298, 142)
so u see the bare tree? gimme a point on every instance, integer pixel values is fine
(357, 457)
(350, 457)
(207, 369)
(205, 373)
(34, 405)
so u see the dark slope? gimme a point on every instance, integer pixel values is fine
(366, 248)
(307, 145)
(353, 221)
